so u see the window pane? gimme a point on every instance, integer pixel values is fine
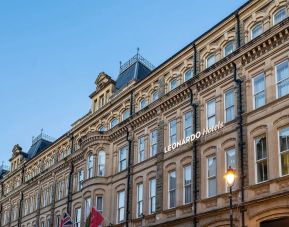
(231, 158)
(141, 147)
(262, 171)
(155, 96)
(279, 16)
(188, 129)
(256, 31)
(212, 187)
(285, 163)
(211, 166)
(173, 84)
(125, 115)
(229, 105)
(211, 108)
(284, 140)
(282, 78)
(229, 48)
(153, 143)
(261, 152)
(188, 75)
(173, 131)
(113, 123)
(211, 60)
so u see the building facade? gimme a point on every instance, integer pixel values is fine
(155, 146)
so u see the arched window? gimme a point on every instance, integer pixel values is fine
(256, 30)
(229, 48)
(113, 122)
(142, 103)
(125, 114)
(90, 166)
(188, 74)
(211, 59)
(173, 84)
(101, 128)
(155, 96)
(279, 16)
(101, 163)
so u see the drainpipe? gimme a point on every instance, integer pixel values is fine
(20, 210)
(128, 190)
(238, 33)
(195, 60)
(241, 142)
(195, 162)
(131, 104)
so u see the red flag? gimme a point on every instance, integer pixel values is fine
(95, 218)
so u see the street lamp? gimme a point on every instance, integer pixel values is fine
(230, 177)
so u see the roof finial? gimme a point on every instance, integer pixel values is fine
(119, 65)
(137, 51)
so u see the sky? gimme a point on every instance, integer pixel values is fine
(52, 51)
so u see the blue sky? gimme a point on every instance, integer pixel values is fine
(52, 51)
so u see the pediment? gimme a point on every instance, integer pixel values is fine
(103, 79)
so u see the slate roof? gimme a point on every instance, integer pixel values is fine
(38, 147)
(137, 68)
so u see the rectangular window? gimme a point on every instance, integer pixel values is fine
(173, 131)
(99, 204)
(120, 207)
(122, 158)
(77, 217)
(282, 77)
(152, 196)
(172, 189)
(188, 124)
(141, 149)
(211, 113)
(153, 142)
(80, 177)
(187, 184)
(284, 150)
(229, 106)
(259, 91)
(58, 221)
(261, 159)
(212, 180)
(87, 207)
(139, 207)
(231, 158)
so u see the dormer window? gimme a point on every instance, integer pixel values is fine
(155, 96)
(211, 59)
(125, 114)
(188, 75)
(279, 16)
(256, 30)
(229, 48)
(101, 128)
(173, 84)
(101, 101)
(113, 122)
(142, 103)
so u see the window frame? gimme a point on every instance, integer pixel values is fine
(207, 112)
(176, 133)
(171, 87)
(253, 27)
(155, 95)
(152, 209)
(102, 203)
(210, 56)
(99, 165)
(141, 152)
(77, 222)
(124, 117)
(120, 208)
(187, 185)
(90, 170)
(142, 103)
(280, 153)
(139, 199)
(276, 78)
(227, 44)
(185, 73)
(172, 190)
(120, 161)
(231, 90)
(153, 144)
(260, 160)
(253, 90)
(113, 120)
(186, 127)
(276, 12)
(211, 177)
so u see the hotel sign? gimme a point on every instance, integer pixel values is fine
(194, 137)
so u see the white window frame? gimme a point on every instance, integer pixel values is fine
(207, 112)
(172, 189)
(122, 160)
(101, 165)
(77, 222)
(155, 95)
(187, 127)
(185, 73)
(152, 195)
(256, 25)
(186, 185)
(211, 177)
(176, 134)
(210, 56)
(277, 11)
(276, 78)
(171, 87)
(139, 204)
(142, 103)
(87, 204)
(90, 165)
(80, 178)
(141, 152)
(125, 114)
(232, 106)
(229, 42)
(96, 199)
(253, 90)
(120, 208)
(280, 153)
(260, 160)
(153, 144)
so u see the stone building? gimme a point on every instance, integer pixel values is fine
(141, 155)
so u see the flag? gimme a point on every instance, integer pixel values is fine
(66, 221)
(94, 219)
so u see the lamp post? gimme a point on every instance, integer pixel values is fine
(230, 177)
